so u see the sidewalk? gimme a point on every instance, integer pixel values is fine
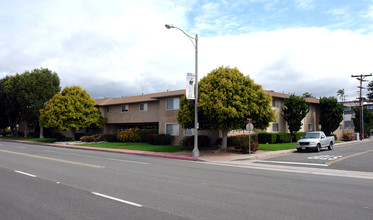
(205, 155)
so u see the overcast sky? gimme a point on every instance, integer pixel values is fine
(118, 48)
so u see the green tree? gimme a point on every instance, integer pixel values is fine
(295, 110)
(4, 123)
(11, 89)
(71, 110)
(226, 99)
(368, 120)
(307, 95)
(331, 114)
(36, 88)
(370, 91)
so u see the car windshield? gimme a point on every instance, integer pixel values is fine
(312, 135)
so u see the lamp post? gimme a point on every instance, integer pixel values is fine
(195, 152)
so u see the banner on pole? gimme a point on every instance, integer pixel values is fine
(190, 83)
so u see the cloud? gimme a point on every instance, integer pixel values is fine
(121, 48)
(304, 4)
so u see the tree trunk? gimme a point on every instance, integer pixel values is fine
(73, 134)
(26, 129)
(41, 132)
(224, 140)
(11, 127)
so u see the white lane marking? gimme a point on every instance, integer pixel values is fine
(295, 163)
(116, 199)
(20, 147)
(27, 174)
(107, 158)
(324, 157)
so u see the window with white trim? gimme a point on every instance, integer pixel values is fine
(274, 127)
(124, 108)
(172, 129)
(173, 103)
(143, 106)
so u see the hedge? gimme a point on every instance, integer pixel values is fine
(163, 139)
(267, 138)
(203, 141)
(143, 133)
(283, 138)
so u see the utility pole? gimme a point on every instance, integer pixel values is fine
(361, 78)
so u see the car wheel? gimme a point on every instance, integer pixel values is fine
(330, 147)
(318, 148)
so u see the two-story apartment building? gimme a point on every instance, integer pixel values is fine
(156, 110)
(310, 122)
(159, 111)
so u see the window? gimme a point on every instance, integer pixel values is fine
(274, 127)
(188, 131)
(311, 108)
(347, 108)
(144, 107)
(348, 124)
(274, 103)
(370, 107)
(107, 109)
(172, 103)
(172, 129)
(310, 127)
(124, 108)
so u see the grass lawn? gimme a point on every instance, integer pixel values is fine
(275, 147)
(138, 146)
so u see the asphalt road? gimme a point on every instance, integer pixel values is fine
(40, 182)
(353, 156)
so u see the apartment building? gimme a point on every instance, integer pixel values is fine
(310, 122)
(159, 111)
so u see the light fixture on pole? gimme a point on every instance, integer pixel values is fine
(195, 152)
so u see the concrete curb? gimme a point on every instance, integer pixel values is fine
(124, 151)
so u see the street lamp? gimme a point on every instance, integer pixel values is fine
(195, 152)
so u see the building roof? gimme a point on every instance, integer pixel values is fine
(139, 98)
(156, 96)
(285, 96)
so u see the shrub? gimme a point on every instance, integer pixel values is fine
(109, 137)
(348, 136)
(92, 138)
(265, 138)
(143, 133)
(203, 141)
(151, 138)
(241, 143)
(87, 139)
(129, 135)
(162, 139)
(283, 138)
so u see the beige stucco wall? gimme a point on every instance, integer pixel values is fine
(133, 115)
